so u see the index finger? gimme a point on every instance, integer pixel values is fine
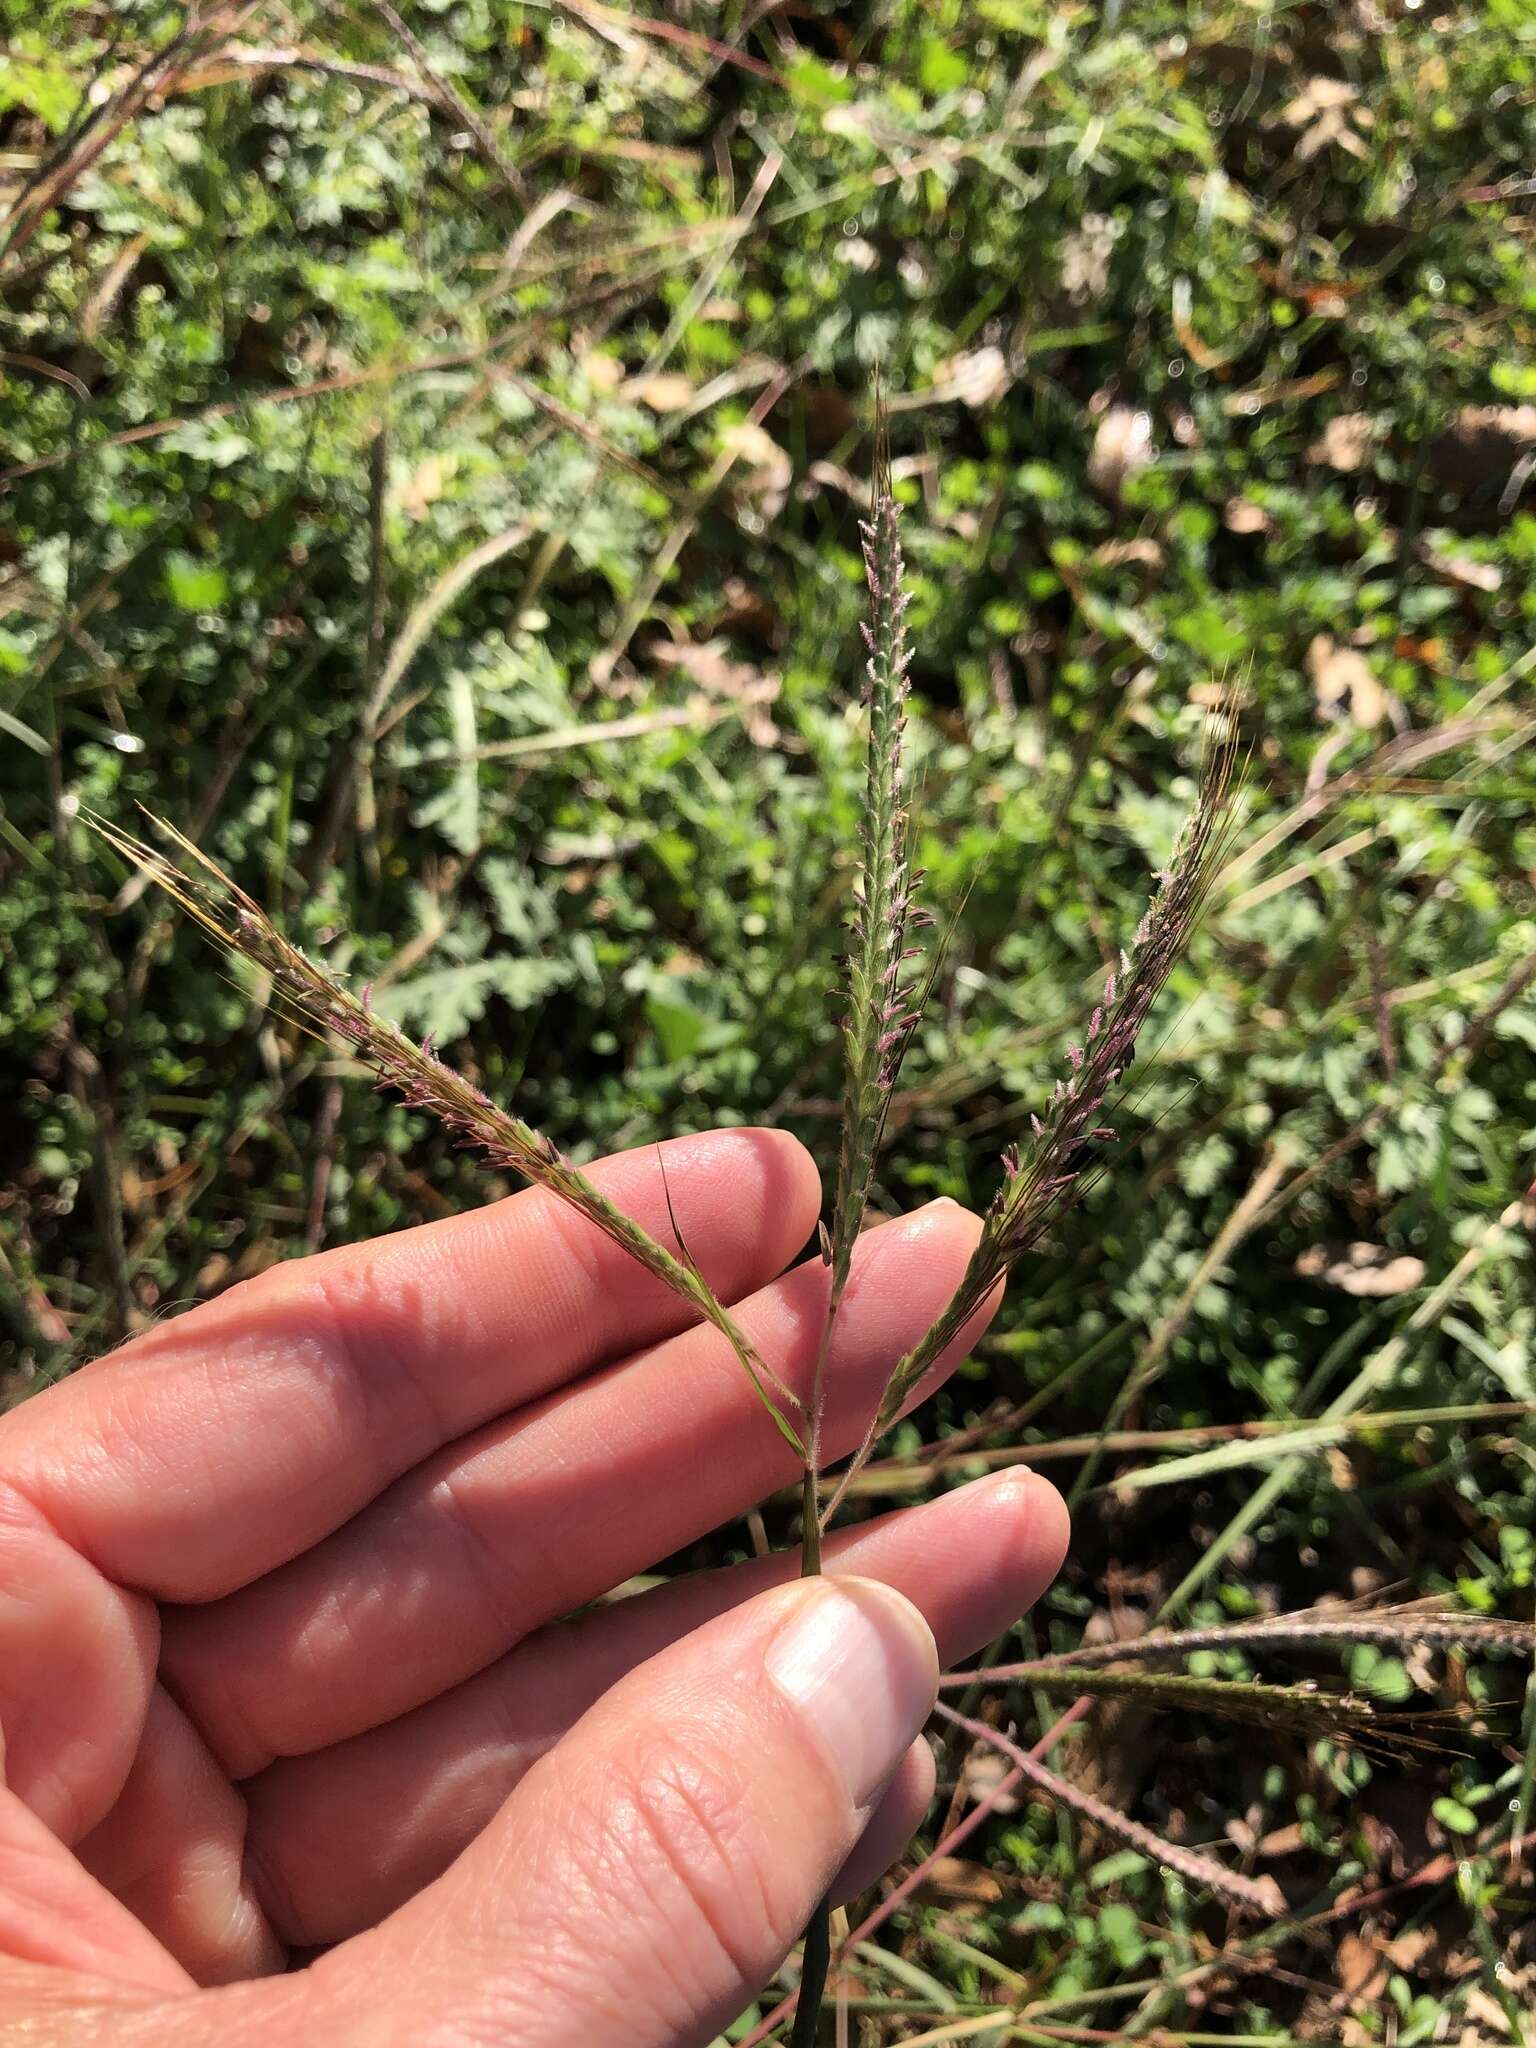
(223, 1444)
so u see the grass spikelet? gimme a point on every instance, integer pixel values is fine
(881, 1011)
(1042, 1179)
(1310, 1712)
(327, 1007)
(1481, 1635)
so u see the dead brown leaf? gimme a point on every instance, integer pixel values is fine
(1488, 2013)
(664, 391)
(1408, 1950)
(951, 1877)
(1241, 515)
(763, 468)
(749, 688)
(425, 485)
(1323, 110)
(1318, 96)
(1343, 683)
(1360, 1968)
(1286, 1841)
(978, 378)
(980, 1775)
(1368, 1271)
(1112, 554)
(1463, 571)
(1341, 1471)
(1085, 257)
(1344, 442)
(604, 373)
(1121, 449)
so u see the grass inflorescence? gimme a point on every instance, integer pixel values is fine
(1067, 1138)
(326, 1006)
(881, 1007)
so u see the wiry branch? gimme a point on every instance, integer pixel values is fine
(328, 1008)
(1262, 1896)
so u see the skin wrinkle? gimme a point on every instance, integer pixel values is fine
(696, 1171)
(338, 1301)
(562, 1293)
(372, 1309)
(486, 1569)
(700, 1801)
(556, 1967)
(714, 1894)
(236, 1740)
(285, 1367)
(44, 2007)
(615, 1426)
(974, 1558)
(268, 1890)
(578, 1285)
(310, 1655)
(612, 1834)
(113, 1633)
(173, 1877)
(118, 1470)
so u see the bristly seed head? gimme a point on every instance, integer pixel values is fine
(324, 1005)
(882, 1013)
(1041, 1182)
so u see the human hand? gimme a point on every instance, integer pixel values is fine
(283, 1666)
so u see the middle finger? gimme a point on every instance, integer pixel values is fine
(531, 1517)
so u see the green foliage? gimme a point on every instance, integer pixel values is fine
(1205, 328)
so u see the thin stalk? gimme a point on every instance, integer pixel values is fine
(1525, 1789)
(1265, 1439)
(898, 1896)
(816, 1959)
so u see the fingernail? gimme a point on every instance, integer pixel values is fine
(858, 1662)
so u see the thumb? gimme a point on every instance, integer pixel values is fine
(650, 1874)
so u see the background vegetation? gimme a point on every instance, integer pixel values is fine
(432, 446)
